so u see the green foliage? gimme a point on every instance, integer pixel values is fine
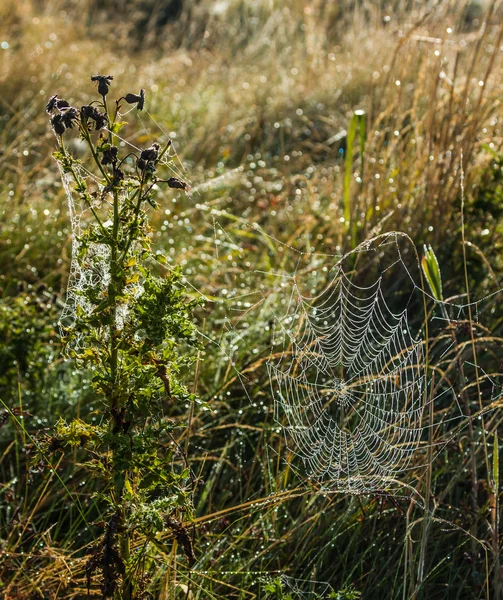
(26, 331)
(275, 590)
(348, 593)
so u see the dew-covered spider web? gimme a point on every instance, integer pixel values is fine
(350, 381)
(351, 384)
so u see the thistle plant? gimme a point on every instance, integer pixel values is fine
(127, 325)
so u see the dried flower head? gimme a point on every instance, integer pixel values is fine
(69, 116)
(60, 103)
(110, 156)
(52, 104)
(58, 125)
(103, 83)
(100, 120)
(148, 157)
(87, 111)
(138, 99)
(90, 112)
(150, 153)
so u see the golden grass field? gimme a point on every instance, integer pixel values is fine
(259, 99)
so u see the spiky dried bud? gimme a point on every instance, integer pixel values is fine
(52, 104)
(103, 83)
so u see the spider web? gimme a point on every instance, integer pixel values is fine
(90, 261)
(351, 385)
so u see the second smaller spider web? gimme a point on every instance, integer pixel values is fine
(349, 385)
(90, 260)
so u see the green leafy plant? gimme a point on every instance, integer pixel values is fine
(125, 324)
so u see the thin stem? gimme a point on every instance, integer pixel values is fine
(135, 222)
(87, 137)
(80, 183)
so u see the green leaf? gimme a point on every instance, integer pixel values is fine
(116, 127)
(431, 270)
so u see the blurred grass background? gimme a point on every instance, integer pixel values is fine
(258, 98)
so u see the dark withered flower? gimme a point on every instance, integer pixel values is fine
(52, 104)
(100, 120)
(60, 103)
(174, 182)
(150, 154)
(110, 155)
(103, 83)
(69, 116)
(118, 175)
(138, 99)
(58, 125)
(90, 112)
(142, 100)
(87, 111)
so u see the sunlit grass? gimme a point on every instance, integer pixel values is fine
(259, 97)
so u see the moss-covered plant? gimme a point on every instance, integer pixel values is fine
(126, 325)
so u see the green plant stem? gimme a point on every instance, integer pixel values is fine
(87, 137)
(115, 284)
(135, 223)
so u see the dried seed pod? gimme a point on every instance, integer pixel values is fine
(110, 156)
(138, 99)
(174, 182)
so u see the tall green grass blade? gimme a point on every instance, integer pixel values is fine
(358, 121)
(496, 467)
(431, 270)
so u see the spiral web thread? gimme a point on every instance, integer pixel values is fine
(349, 386)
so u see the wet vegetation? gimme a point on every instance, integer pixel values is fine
(268, 138)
